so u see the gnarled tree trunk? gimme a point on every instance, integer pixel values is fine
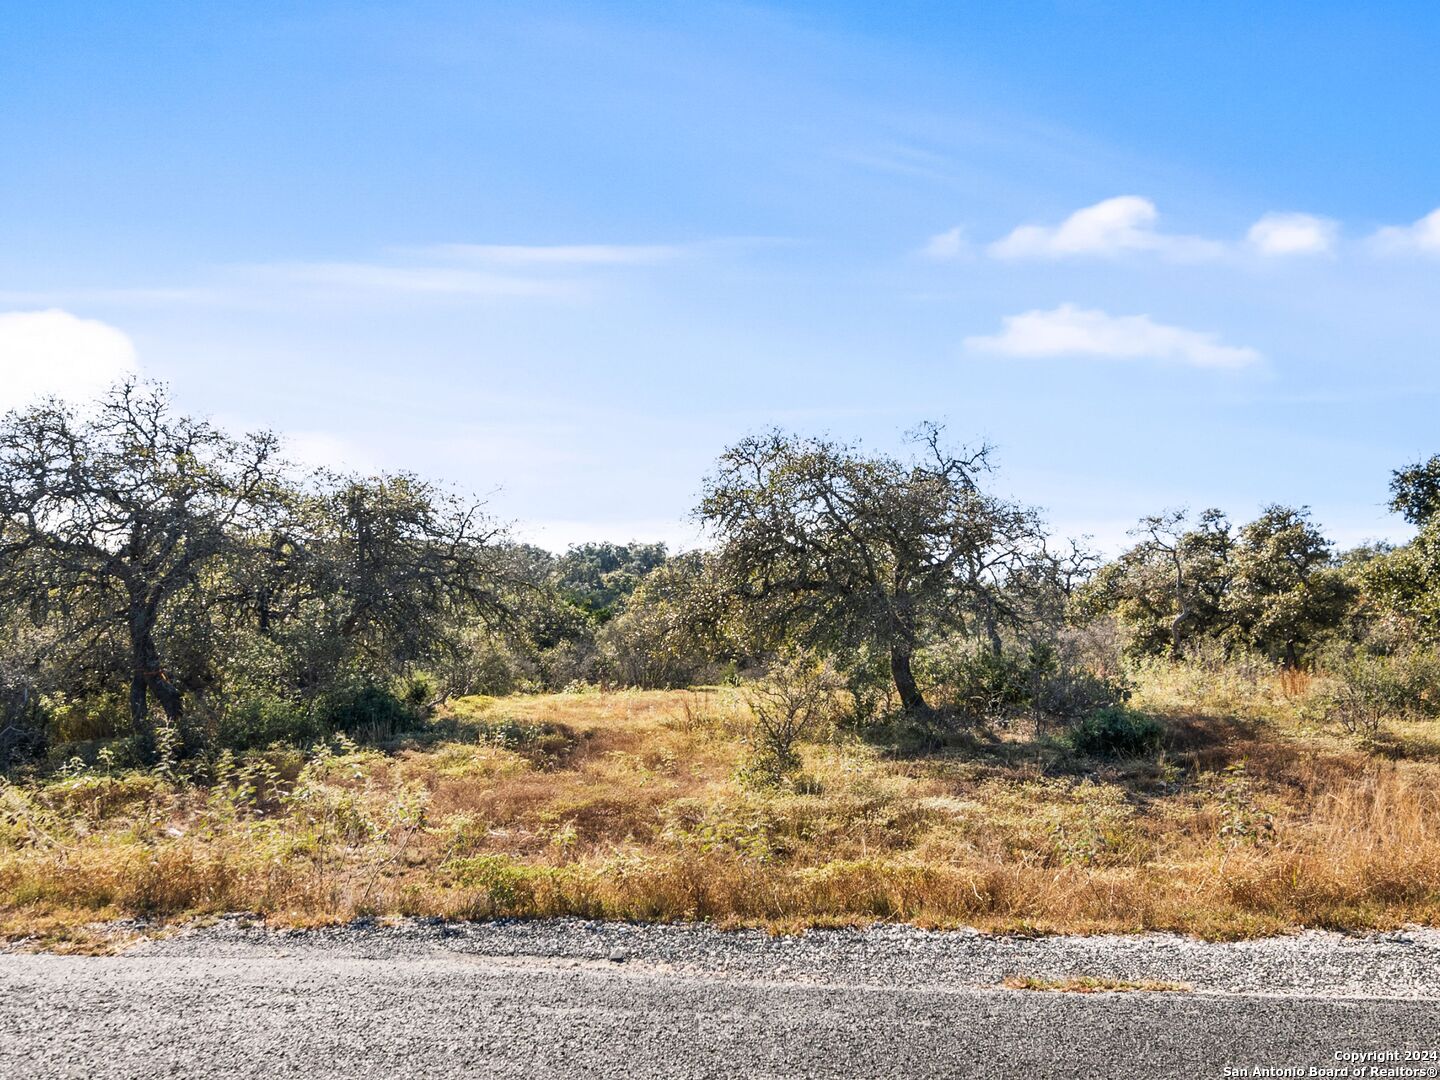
(910, 697)
(147, 677)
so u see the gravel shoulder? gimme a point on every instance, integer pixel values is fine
(1399, 964)
(568, 997)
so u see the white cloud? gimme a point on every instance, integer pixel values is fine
(1423, 237)
(1112, 227)
(1293, 234)
(53, 352)
(1070, 330)
(947, 245)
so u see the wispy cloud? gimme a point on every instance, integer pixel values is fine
(1073, 331)
(1125, 224)
(558, 254)
(138, 296)
(54, 352)
(1279, 234)
(433, 280)
(481, 270)
(498, 271)
(1419, 238)
(948, 245)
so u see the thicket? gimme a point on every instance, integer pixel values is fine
(162, 581)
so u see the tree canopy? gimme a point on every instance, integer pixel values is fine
(839, 547)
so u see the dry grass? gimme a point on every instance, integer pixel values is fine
(630, 806)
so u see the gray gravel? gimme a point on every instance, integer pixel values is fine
(566, 997)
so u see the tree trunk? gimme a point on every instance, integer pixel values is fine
(910, 698)
(139, 705)
(147, 677)
(1181, 611)
(992, 630)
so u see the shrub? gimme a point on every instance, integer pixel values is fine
(1117, 732)
(1068, 694)
(23, 725)
(976, 682)
(1364, 688)
(1047, 680)
(85, 717)
(795, 701)
(264, 719)
(543, 745)
(366, 710)
(418, 690)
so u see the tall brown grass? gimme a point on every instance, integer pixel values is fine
(635, 806)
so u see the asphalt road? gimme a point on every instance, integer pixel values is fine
(417, 1007)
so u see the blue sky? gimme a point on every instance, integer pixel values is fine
(561, 254)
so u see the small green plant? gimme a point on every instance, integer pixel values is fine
(167, 746)
(794, 702)
(1117, 732)
(1243, 820)
(544, 745)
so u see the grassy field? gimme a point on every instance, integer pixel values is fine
(636, 806)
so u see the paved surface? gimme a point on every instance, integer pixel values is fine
(564, 999)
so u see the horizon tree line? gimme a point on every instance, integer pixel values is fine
(157, 570)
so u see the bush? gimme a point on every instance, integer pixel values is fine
(86, 717)
(1117, 732)
(1069, 694)
(264, 719)
(367, 711)
(795, 701)
(1363, 688)
(1047, 680)
(975, 682)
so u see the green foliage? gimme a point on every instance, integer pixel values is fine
(976, 682)
(796, 700)
(1286, 591)
(970, 681)
(1274, 586)
(543, 745)
(1404, 583)
(1364, 687)
(668, 633)
(1244, 820)
(1415, 491)
(830, 547)
(82, 718)
(169, 591)
(366, 710)
(268, 718)
(598, 578)
(1118, 733)
(1069, 693)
